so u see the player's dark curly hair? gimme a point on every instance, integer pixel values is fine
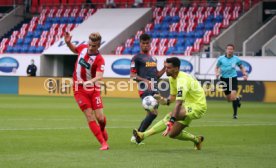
(144, 37)
(174, 61)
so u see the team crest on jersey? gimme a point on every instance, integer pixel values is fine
(91, 61)
(179, 92)
(151, 64)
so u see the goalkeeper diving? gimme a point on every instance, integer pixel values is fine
(190, 104)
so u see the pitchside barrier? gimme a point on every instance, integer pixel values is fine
(125, 88)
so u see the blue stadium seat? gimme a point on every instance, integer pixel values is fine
(200, 26)
(47, 26)
(180, 42)
(167, 19)
(190, 34)
(49, 20)
(156, 34)
(39, 27)
(24, 48)
(173, 34)
(127, 51)
(199, 34)
(79, 20)
(136, 43)
(209, 26)
(9, 49)
(30, 34)
(27, 41)
(16, 49)
(157, 27)
(165, 27)
(149, 33)
(170, 50)
(37, 34)
(218, 19)
(135, 50)
(71, 20)
(210, 18)
(190, 41)
(20, 41)
(164, 34)
(179, 50)
(181, 35)
(175, 19)
(64, 20)
(56, 20)
(32, 49)
(39, 49)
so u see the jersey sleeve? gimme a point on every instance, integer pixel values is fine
(183, 87)
(219, 62)
(134, 65)
(173, 89)
(79, 48)
(238, 63)
(100, 65)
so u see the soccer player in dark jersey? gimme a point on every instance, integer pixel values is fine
(144, 71)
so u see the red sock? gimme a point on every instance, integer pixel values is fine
(94, 127)
(102, 124)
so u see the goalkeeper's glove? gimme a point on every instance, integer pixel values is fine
(162, 100)
(169, 126)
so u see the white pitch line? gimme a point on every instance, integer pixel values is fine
(128, 127)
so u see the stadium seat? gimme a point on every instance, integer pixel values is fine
(172, 34)
(127, 51)
(27, 41)
(39, 49)
(135, 50)
(19, 41)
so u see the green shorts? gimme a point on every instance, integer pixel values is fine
(193, 111)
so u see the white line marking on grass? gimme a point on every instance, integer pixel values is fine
(128, 127)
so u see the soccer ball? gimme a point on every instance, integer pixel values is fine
(149, 103)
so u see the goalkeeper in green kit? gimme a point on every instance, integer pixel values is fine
(190, 104)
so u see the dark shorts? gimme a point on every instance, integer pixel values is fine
(229, 85)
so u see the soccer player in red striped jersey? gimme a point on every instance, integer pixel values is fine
(88, 71)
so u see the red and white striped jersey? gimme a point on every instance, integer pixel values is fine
(86, 65)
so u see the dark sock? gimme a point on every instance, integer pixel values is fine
(146, 122)
(235, 107)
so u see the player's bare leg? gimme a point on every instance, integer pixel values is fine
(102, 122)
(232, 97)
(145, 123)
(94, 127)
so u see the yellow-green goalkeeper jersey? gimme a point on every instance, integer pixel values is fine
(187, 88)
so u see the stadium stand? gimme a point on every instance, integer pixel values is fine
(177, 27)
(43, 30)
(182, 30)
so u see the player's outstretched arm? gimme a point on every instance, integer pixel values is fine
(217, 72)
(96, 80)
(67, 39)
(136, 77)
(161, 72)
(244, 73)
(163, 100)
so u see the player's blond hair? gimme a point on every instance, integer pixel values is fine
(95, 37)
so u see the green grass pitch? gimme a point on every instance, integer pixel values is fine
(51, 132)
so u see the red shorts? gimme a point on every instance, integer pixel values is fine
(88, 99)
